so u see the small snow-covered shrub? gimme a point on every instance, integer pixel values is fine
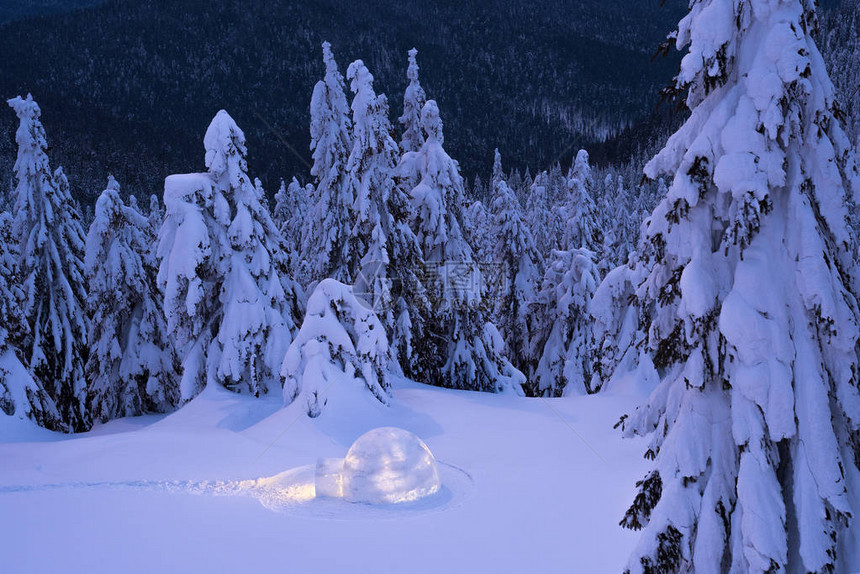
(615, 322)
(341, 341)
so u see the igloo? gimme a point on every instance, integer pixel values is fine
(384, 466)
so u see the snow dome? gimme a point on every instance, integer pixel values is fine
(388, 465)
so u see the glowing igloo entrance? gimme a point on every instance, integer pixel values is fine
(384, 466)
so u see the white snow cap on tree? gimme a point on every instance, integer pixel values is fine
(191, 241)
(47, 229)
(469, 346)
(228, 298)
(752, 315)
(341, 342)
(326, 231)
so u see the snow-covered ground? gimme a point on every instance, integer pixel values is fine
(529, 485)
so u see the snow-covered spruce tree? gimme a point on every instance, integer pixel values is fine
(152, 359)
(262, 305)
(229, 302)
(623, 211)
(155, 216)
(750, 308)
(289, 215)
(498, 173)
(478, 230)
(467, 348)
(12, 324)
(580, 226)
(540, 216)
(515, 182)
(615, 220)
(291, 210)
(562, 343)
(341, 341)
(479, 190)
(413, 101)
(47, 229)
(369, 177)
(615, 322)
(526, 188)
(191, 243)
(21, 396)
(388, 272)
(132, 368)
(841, 50)
(516, 265)
(282, 212)
(326, 232)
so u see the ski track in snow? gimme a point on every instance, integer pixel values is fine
(288, 491)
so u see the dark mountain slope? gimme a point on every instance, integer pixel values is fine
(129, 87)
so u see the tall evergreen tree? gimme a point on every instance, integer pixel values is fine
(750, 307)
(21, 396)
(228, 297)
(413, 101)
(12, 324)
(391, 257)
(562, 344)
(156, 214)
(369, 174)
(47, 228)
(478, 230)
(517, 274)
(132, 368)
(526, 188)
(840, 37)
(291, 210)
(289, 215)
(468, 348)
(498, 173)
(326, 233)
(539, 215)
(581, 229)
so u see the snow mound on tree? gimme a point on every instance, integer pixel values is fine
(389, 465)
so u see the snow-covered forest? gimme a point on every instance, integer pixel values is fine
(701, 295)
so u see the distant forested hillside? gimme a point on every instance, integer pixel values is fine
(128, 87)
(18, 9)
